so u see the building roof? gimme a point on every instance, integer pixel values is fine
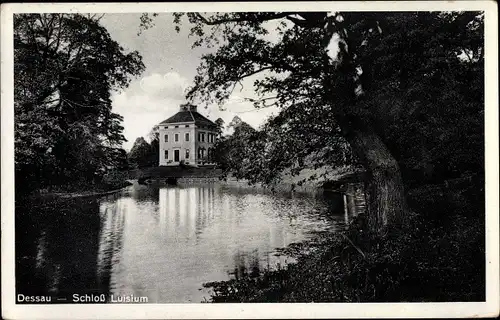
(189, 116)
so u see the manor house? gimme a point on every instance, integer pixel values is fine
(187, 137)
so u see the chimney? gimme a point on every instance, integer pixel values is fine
(188, 107)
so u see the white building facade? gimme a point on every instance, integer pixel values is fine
(187, 137)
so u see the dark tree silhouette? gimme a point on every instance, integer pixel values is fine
(65, 67)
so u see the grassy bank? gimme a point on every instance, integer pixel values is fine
(111, 181)
(440, 257)
(172, 171)
(426, 263)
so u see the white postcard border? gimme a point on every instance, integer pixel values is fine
(489, 308)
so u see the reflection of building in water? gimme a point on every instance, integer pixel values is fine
(241, 223)
(184, 212)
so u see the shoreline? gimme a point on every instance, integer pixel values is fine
(77, 195)
(70, 195)
(349, 265)
(328, 179)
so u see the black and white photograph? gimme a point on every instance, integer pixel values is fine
(255, 160)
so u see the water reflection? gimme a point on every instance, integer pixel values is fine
(56, 248)
(164, 243)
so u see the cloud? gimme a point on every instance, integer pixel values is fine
(142, 106)
(141, 112)
(155, 92)
(170, 85)
(130, 103)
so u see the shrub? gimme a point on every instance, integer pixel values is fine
(424, 263)
(113, 180)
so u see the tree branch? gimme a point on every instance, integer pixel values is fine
(253, 72)
(309, 19)
(261, 18)
(99, 19)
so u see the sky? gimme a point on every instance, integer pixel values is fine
(170, 68)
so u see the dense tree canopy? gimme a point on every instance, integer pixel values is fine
(404, 89)
(220, 126)
(66, 66)
(140, 155)
(154, 137)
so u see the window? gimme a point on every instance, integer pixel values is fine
(203, 137)
(187, 125)
(166, 138)
(187, 153)
(177, 126)
(187, 136)
(201, 153)
(176, 137)
(166, 154)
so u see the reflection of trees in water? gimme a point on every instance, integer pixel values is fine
(61, 247)
(110, 239)
(354, 201)
(246, 263)
(251, 263)
(145, 193)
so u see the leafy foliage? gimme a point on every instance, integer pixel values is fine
(154, 137)
(239, 151)
(415, 78)
(423, 84)
(220, 126)
(143, 154)
(262, 155)
(65, 67)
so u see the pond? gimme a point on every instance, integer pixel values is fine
(163, 243)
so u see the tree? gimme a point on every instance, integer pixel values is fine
(65, 67)
(154, 137)
(309, 74)
(140, 154)
(366, 74)
(240, 151)
(220, 127)
(299, 137)
(427, 82)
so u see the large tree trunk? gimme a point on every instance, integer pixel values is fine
(384, 191)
